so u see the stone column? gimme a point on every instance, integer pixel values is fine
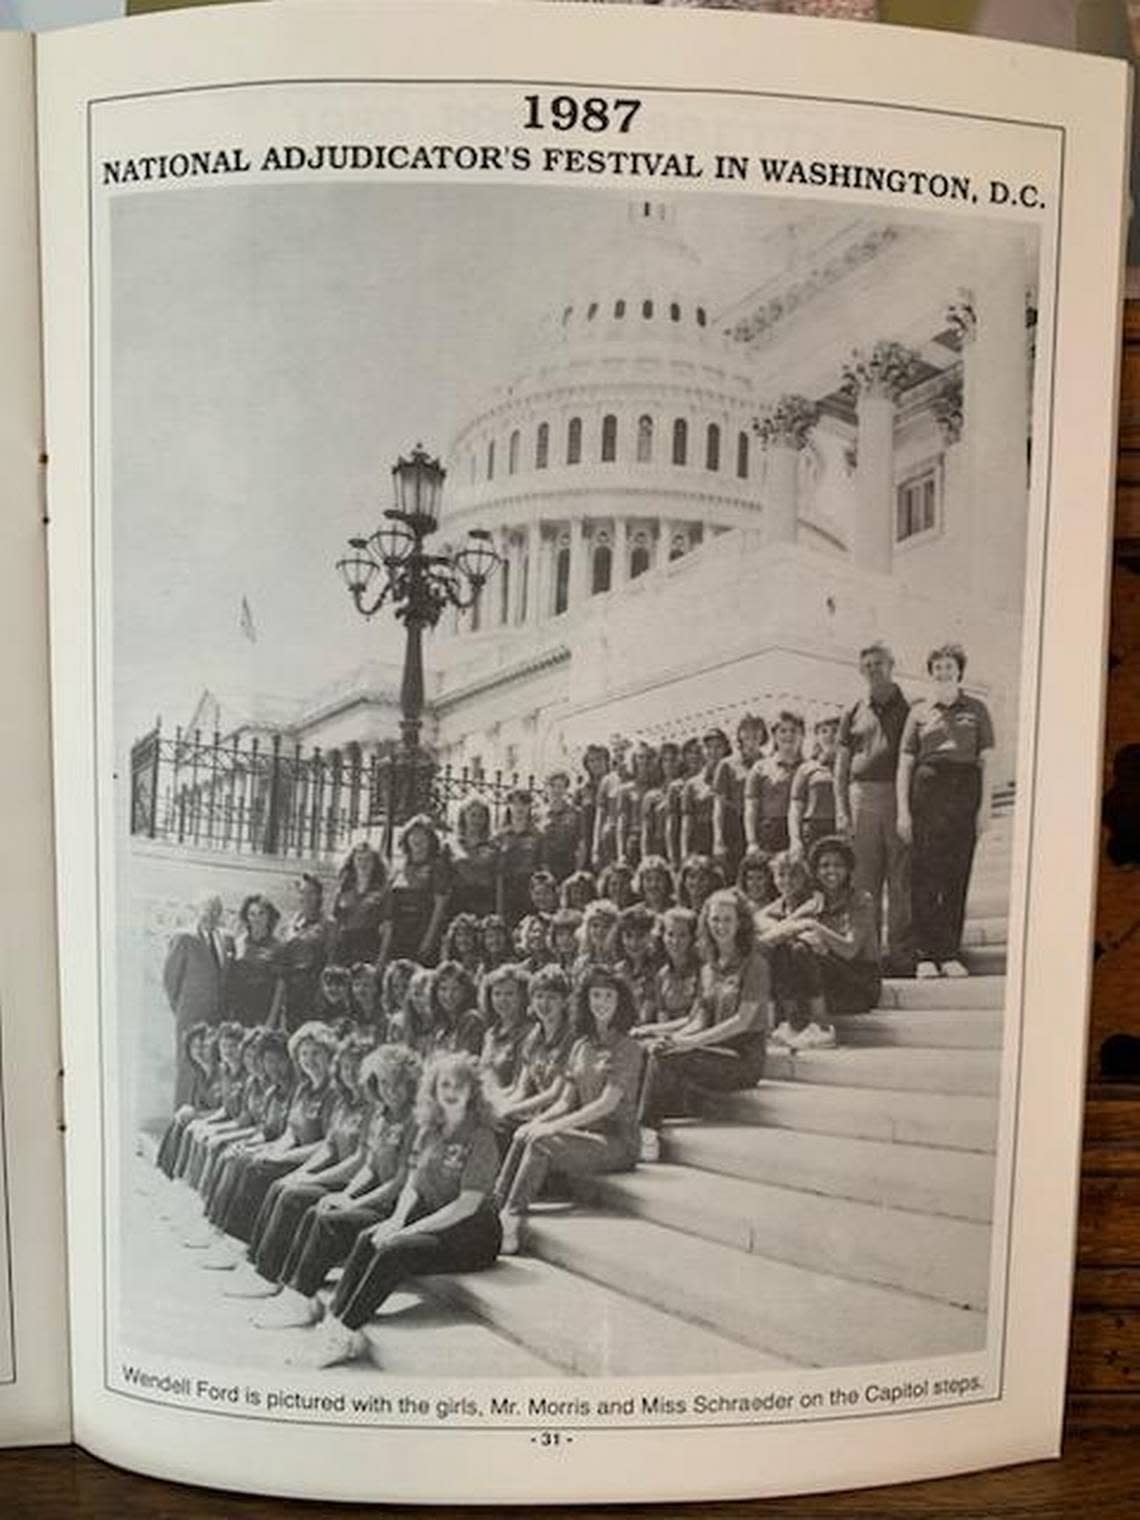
(539, 546)
(996, 421)
(876, 378)
(621, 552)
(783, 430)
(524, 593)
(580, 568)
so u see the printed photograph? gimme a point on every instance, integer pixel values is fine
(567, 675)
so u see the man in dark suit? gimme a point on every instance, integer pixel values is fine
(195, 975)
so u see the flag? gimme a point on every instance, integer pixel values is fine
(247, 626)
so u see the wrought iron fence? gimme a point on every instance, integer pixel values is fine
(269, 797)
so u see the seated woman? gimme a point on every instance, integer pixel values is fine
(461, 943)
(456, 1023)
(231, 1079)
(754, 879)
(494, 943)
(543, 1056)
(444, 1221)
(778, 925)
(330, 1167)
(248, 1120)
(831, 947)
(615, 884)
(279, 1079)
(638, 957)
(199, 1054)
(312, 1048)
(532, 942)
(720, 1047)
(698, 878)
(393, 993)
(414, 1025)
(389, 1079)
(364, 998)
(653, 883)
(591, 1128)
(599, 926)
(565, 928)
(678, 974)
(503, 1003)
(578, 891)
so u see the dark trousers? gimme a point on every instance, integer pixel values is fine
(373, 1272)
(171, 1140)
(675, 1078)
(800, 974)
(225, 1180)
(882, 861)
(772, 835)
(572, 1153)
(287, 1203)
(241, 1215)
(944, 810)
(321, 1242)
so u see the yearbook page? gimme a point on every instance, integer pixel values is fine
(33, 1310)
(578, 558)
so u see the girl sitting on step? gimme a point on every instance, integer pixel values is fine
(444, 1221)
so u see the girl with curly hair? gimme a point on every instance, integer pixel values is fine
(653, 883)
(697, 879)
(591, 1128)
(389, 1078)
(495, 943)
(565, 927)
(532, 942)
(720, 1047)
(461, 943)
(419, 892)
(444, 1220)
(503, 1003)
(393, 993)
(545, 1051)
(256, 969)
(360, 906)
(578, 891)
(475, 862)
(596, 940)
(456, 1023)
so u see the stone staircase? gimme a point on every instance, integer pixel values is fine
(837, 1214)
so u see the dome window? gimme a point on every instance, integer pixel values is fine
(562, 579)
(619, 309)
(701, 318)
(491, 459)
(513, 453)
(680, 441)
(644, 439)
(742, 456)
(505, 591)
(542, 446)
(647, 309)
(674, 312)
(602, 569)
(712, 447)
(678, 546)
(574, 441)
(591, 311)
(639, 556)
(609, 438)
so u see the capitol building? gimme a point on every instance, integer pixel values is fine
(706, 508)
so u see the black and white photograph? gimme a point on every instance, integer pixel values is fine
(568, 697)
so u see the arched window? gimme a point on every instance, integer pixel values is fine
(513, 453)
(591, 311)
(574, 441)
(674, 312)
(524, 588)
(491, 460)
(742, 455)
(638, 560)
(619, 309)
(647, 309)
(678, 546)
(701, 319)
(680, 440)
(712, 447)
(542, 446)
(609, 438)
(562, 579)
(644, 439)
(505, 592)
(602, 569)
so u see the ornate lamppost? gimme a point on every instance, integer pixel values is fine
(393, 567)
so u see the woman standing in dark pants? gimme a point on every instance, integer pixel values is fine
(255, 973)
(420, 889)
(360, 907)
(944, 801)
(445, 1220)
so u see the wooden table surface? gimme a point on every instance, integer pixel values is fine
(1099, 1474)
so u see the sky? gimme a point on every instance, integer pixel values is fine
(273, 350)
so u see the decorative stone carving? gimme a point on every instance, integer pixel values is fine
(886, 370)
(788, 422)
(820, 278)
(963, 318)
(946, 405)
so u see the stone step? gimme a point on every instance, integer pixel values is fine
(928, 1028)
(422, 1337)
(899, 1068)
(809, 1317)
(985, 960)
(928, 1255)
(958, 1184)
(985, 931)
(908, 1118)
(944, 992)
(586, 1328)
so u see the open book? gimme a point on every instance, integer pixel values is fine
(576, 546)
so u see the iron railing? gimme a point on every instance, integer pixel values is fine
(267, 796)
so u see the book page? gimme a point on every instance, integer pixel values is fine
(33, 1309)
(578, 577)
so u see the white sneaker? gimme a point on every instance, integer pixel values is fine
(816, 1037)
(649, 1145)
(925, 971)
(954, 968)
(782, 1035)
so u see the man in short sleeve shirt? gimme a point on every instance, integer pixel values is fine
(866, 770)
